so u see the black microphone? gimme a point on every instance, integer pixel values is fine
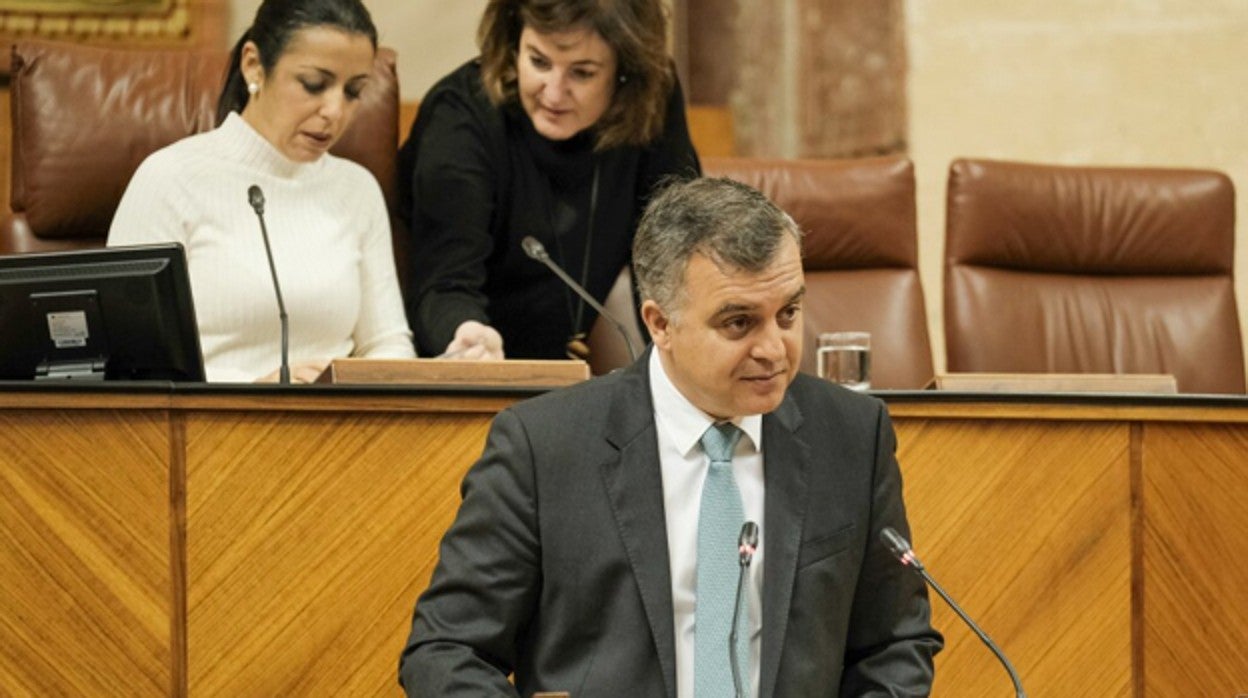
(256, 198)
(536, 250)
(747, 543)
(901, 549)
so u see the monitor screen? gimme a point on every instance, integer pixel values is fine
(117, 313)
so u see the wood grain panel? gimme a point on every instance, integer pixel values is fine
(544, 374)
(1037, 407)
(711, 130)
(1027, 525)
(1195, 560)
(312, 519)
(84, 554)
(309, 537)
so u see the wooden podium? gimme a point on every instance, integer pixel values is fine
(1116, 383)
(201, 540)
(509, 373)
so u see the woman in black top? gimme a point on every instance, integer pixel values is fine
(560, 130)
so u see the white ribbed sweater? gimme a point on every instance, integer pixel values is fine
(331, 244)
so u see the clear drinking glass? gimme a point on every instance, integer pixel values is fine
(845, 358)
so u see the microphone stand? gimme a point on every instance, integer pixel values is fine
(536, 250)
(747, 543)
(256, 198)
(901, 548)
(1009, 668)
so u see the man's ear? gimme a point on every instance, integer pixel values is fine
(657, 323)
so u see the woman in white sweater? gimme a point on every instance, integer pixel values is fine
(293, 87)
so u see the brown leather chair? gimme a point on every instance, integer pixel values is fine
(85, 117)
(608, 349)
(860, 254)
(1092, 270)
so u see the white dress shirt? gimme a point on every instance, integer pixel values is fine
(679, 428)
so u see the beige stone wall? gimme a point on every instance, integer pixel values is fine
(1131, 82)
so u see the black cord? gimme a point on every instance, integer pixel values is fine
(578, 315)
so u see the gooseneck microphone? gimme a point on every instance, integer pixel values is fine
(901, 549)
(747, 543)
(536, 250)
(256, 198)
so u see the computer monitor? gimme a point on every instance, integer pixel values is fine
(117, 313)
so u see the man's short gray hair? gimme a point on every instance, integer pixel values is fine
(732, 224)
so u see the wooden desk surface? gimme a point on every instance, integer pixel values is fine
(174, 540)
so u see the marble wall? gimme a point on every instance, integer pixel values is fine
(804, 78)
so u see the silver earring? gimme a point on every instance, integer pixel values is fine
(253, 88)
(623, 79)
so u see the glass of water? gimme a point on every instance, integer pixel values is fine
(845, 358)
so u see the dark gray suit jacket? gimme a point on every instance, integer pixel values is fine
(556, 567)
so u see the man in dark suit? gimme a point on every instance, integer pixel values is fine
(588, 554)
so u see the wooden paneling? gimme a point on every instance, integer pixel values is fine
(309, 538)
(1195, 566)
(84, 554)
(407, 116)
(513, 373)
(1028, 524)
(711, 130)
(272, 541)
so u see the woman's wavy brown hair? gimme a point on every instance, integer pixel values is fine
(635, 29)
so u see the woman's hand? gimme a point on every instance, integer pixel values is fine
(475, 341)
(300, 372)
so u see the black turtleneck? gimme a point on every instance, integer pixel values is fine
(476, 179)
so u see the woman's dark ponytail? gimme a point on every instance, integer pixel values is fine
(234, 93)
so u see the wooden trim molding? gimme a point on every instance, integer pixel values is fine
(154, 23)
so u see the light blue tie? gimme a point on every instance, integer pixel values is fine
(719, 524)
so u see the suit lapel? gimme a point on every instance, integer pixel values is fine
(786, 460)
(634, 487)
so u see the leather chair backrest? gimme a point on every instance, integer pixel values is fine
(85, 117)
(608, 348)
(860, 254)
(1092, 270)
